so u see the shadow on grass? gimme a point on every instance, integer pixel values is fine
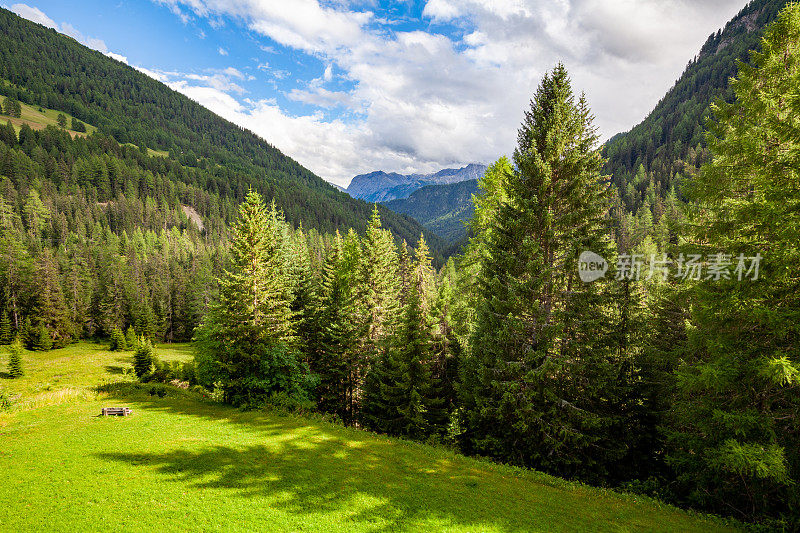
(5, 375)
(115, 369)
(307, 468)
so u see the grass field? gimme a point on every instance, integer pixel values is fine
(38, 120)
(183, 463)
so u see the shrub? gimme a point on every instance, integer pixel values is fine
(5, 401)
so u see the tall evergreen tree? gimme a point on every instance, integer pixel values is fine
(338, 347)
(401, 397)
(246, 341)
(378, 296)
(540, 385)
(143, 357)
(51, 309)
(734, 435)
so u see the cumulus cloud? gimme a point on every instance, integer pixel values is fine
(454, 91)
(33, 14)
(427, 99)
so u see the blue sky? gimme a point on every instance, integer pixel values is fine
(351, 86)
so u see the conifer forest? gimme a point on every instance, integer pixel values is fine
(623, 314)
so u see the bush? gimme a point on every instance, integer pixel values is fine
(15, 369)
(285, 402)
(143, 358)
(118, 342)
(5, 401)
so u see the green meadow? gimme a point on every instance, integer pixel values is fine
(181, 462)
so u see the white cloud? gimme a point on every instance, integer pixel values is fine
(441, 10)
(423, 100)
(222, 51)
(118, 57)
(428, 102)
(33, 14)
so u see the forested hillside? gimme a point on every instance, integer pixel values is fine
(629, 340)
(443, 209)
(657, 154)
(44, 68)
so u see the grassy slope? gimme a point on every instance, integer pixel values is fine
(39, 120)
(182, 463)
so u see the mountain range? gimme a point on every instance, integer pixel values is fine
(380, 186)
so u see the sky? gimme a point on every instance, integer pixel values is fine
(350, 86)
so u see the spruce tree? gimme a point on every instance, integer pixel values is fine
(247, 341)
(15, 368)
(51, 308)
(734, 436)
(117, 343)
(401, 397)
(143, 358)
(40, 338)
(378, 296)
(335, 357)
(540, 388)
(130, 338)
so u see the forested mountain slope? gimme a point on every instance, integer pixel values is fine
(44, 68)
(443, 209)
(649, 159)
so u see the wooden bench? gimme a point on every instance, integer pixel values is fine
(116, 411)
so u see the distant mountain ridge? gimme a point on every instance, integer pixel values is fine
(443, 209)
(380, 186)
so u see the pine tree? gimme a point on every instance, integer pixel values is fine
(381, 287)
(247, 341)
(117, 343)
(143, 358)
(15, 368)
(733, 436)
(541, 386)
(61, 120)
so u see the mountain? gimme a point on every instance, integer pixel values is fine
(380, 186)
(443, 209)
(219, 160)
(647, 161)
